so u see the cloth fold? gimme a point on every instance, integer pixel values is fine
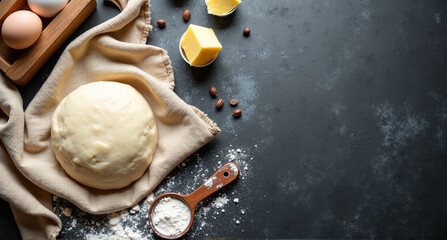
(113, 51)
(31, 206)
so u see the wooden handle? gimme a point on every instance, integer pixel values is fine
(225, 175)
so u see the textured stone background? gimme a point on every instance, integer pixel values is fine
(346, 101)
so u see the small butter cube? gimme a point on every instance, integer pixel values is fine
(200, 45)
(221, 7)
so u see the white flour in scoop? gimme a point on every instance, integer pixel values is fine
(171, 216)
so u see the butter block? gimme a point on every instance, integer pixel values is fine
(200, 45)
(221, 7)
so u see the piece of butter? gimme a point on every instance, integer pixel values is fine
(221, 7)
(200, 45)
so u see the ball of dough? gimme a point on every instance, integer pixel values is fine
(104, 135)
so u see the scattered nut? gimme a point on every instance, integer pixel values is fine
(213, 91)
(233, 102)
(186, 15)
(246, 31)
(219, 104)
(237, 113)
(161, 23)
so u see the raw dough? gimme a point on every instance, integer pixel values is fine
(104, 135)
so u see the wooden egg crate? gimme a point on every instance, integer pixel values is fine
(21, 65)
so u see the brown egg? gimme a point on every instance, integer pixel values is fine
(21, 29)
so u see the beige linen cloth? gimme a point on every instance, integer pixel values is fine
(113, 51)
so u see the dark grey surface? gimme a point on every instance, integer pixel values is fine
(346, 101)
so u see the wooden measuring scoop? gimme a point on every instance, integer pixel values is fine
(225, 175)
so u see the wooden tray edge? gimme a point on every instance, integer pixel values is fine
(24, 68)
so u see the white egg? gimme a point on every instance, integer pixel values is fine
(47, 8)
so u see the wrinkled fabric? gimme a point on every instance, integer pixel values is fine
(113, 51)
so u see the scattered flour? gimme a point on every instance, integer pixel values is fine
(234, 169)
(234, 154)
(220, 201)
(114, 219)
(171, 216)
(189, 175)
(209, 182)
(122, 224)
(134, 209)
